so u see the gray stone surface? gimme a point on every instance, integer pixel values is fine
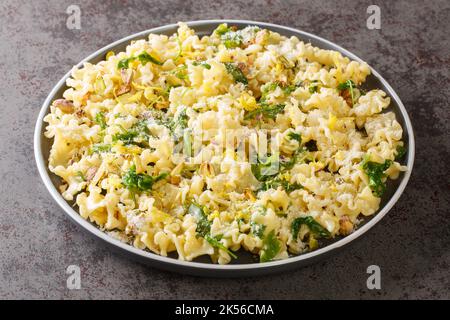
(37, 241)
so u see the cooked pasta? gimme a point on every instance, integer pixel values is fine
(241, 139)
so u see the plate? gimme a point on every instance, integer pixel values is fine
(245, 265)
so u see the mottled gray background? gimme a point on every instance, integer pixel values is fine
(37, 241)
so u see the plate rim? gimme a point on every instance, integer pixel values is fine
(192, 265)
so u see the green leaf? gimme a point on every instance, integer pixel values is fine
(313, 87)
(222, 29)
(204, 228)
(375, 172)
(229, 37)
(100, 120)
(231, 40)
(203, 64)
(203, 224)
(236, 73)
(271, 247)
(215, 242)
(277, 182)
(313, 226)
(264, 169)
(124, 63)
(295, 136)
(126, 138)
(145, 57)
(268, 88)
(100, 147)
(258, 229)
(265, 110)
(401, 151)
(138, 134)
(140, 182)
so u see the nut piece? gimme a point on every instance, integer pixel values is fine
(64, 105)
(175, 180)
(346, 226)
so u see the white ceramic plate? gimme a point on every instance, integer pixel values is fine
(244, 265)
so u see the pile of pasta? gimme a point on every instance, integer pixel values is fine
(118, 130)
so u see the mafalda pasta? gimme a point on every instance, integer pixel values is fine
(241, 139)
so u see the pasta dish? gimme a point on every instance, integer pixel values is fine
(240, 139)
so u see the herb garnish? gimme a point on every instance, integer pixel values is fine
(265, 110)
(100, 147)
(375, 172)
(271, 247)
(313, 226)
(203, 64)
(139, 181)
(401, 151)
(236, 73)
(204, 228)
(144, 58)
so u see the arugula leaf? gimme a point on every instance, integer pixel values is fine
(100, 120)
(401, 151)
(222, 29)
(277, 182)
(125, 63)
(236, 73)
(138, 135)
(265, 110)
(258, 229)
(180, 72)
(313, 87)
(295, 136)
(375, 172)
(289, 89)
(126, 137)
(215, 242)
(203, 224)
(271, 247)
(314, 227)
(268, 88)
(263, 170)
(204, 228)
(145, 57)
(100, 147)
(231, 40)
(229, 37)
(203, 64)
(182, 120)
(140, 182)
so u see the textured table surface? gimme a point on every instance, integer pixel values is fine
(37, 241)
